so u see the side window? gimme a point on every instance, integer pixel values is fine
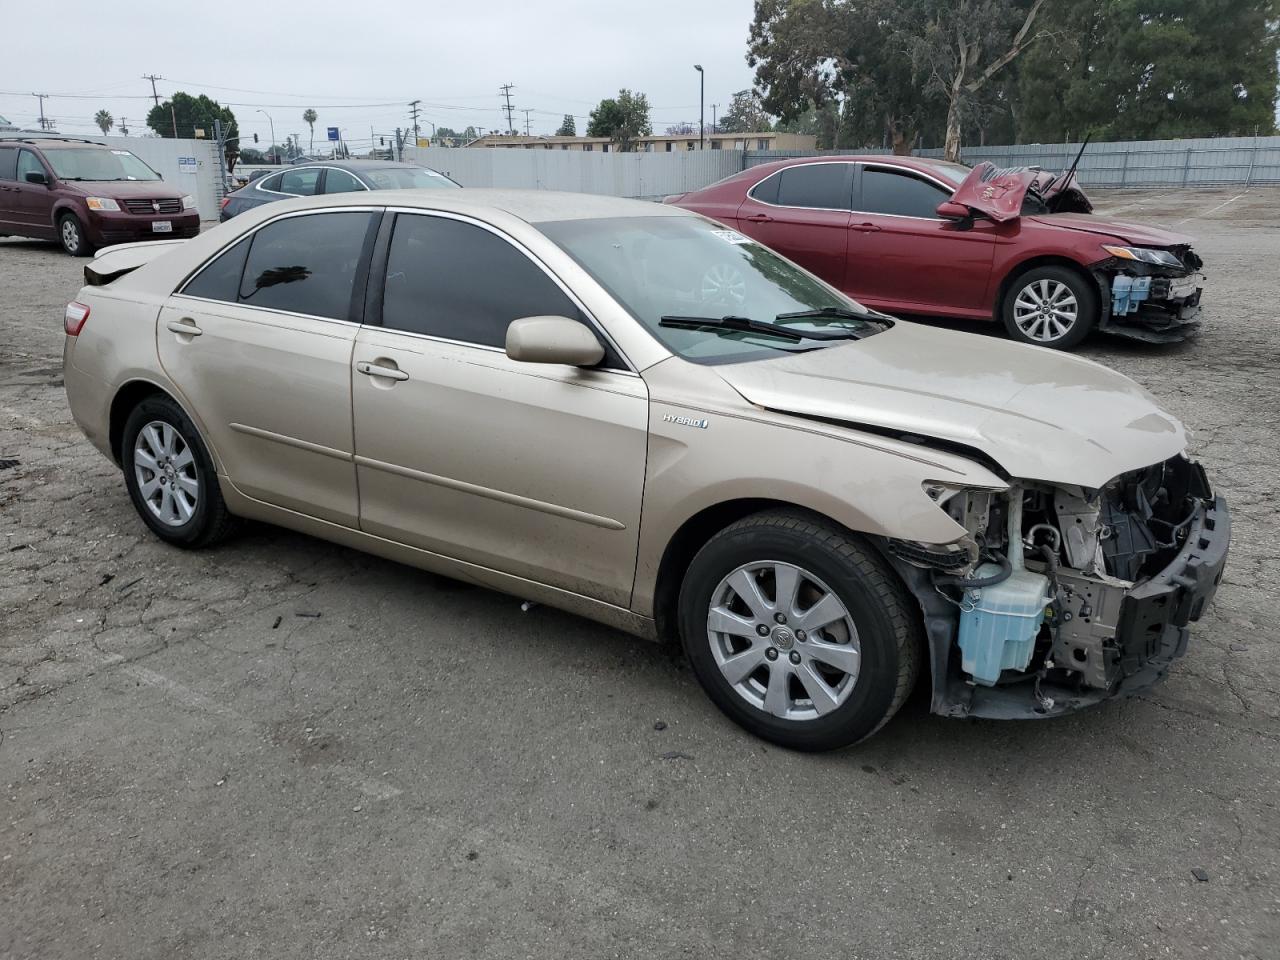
(339, 181)
(271, 182)
(220, 278)
(27, 163)
(8, 164)
(302, 182)
(822, 185)
(450, 279)
(884, 191)
(307, 264)
(766, 191)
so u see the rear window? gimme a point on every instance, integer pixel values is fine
(306, 264)
(8, 163)
(823, 186)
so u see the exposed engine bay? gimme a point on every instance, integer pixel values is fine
(1059, 596)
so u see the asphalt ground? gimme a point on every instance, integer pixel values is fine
(281, 748)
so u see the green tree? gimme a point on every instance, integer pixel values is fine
(568, 127)
(309, 117)
(104, 120)
(622, 119)
(745, 115)
(182, 114)
(894, 65)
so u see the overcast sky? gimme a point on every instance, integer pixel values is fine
(358, 64)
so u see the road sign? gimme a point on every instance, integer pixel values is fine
(333, 134)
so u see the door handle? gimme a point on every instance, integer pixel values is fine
(184, 327)
(866, 227)
(377, 370)
(759, 218)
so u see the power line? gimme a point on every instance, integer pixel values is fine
(44, 124)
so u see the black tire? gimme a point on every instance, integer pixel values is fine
(1051, 278)
(71, 236)
(210, 521)
(882, 612)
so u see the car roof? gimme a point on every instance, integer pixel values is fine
(532, 206)
(357, 165)
(44, 142)
(920, 164)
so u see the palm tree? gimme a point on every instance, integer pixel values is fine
(309, 118)
(104, 121)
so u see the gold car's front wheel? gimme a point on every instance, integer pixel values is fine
(798, 631)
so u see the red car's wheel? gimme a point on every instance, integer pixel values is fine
(1050, 307)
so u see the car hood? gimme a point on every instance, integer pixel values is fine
(1134, 233)
(125, 189)
(998, 193)
(1039, 414)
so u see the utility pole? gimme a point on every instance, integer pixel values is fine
(153, 78)
(413, 112)
(713, 118)
(702, 86)
(526, 121)
(506, 89)
(124, 127)
(44, 124)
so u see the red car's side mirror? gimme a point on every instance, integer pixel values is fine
(950, 210)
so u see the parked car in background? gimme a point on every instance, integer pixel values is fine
(918, 236)
(332, 176)
(625, 410)
(86, 195)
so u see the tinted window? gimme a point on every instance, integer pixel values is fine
(272, 182)
(299, 182)
(27, 163)
(306, 264)
(418, 178)
(824, 185)
(452, 279)
(220, 279)
(884, 191)
(767, 190)
(8, 164)
(339, 181)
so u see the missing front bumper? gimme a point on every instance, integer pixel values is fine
(1153, 309)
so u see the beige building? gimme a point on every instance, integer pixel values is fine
(655, 143)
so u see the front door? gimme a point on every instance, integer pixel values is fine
(33, 202)
(902, 256)
(535, 470)
(259, 344)
(802, 212)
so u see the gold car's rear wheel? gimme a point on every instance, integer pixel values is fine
(798, 631)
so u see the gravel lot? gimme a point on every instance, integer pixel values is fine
(420, 769)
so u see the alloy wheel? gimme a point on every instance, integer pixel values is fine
(165, 468)
(1046, 310)
(783, 640)
(70, 234)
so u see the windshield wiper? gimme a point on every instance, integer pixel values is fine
(835, 313)
(756, 326)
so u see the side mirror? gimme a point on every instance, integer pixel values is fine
(950, 210)
(37, 176)
(553, 340)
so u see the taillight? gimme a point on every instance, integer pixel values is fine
(225, 201)
(74, 317)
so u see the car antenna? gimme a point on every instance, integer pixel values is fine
(1066, 181)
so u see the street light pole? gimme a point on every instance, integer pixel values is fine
(275, 154)
(702, 87)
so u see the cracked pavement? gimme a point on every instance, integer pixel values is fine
(282, 748)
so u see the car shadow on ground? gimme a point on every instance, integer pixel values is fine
(1111, 343)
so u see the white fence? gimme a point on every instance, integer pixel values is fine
(645, 175)
(200, 179)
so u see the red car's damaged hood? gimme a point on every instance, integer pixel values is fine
(998, 193)
(1140, 235)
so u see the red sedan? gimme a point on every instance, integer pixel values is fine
(918, 236)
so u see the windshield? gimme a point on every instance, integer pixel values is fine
(688, 267)
(955, 172)
(80, 163)
(406, 178)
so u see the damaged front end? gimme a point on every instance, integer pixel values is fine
(1060, 597)
(1151, 294)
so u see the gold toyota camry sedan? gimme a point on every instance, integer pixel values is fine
(630, 412)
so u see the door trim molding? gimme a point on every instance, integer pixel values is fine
(568, 513)
(291, 441)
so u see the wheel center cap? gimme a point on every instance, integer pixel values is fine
(782, 638)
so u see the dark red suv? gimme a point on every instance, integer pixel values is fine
(86, 195)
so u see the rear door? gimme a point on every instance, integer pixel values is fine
(535, 470)
(802, 211)
(259, 344)
(902, 256)
(8, 187)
